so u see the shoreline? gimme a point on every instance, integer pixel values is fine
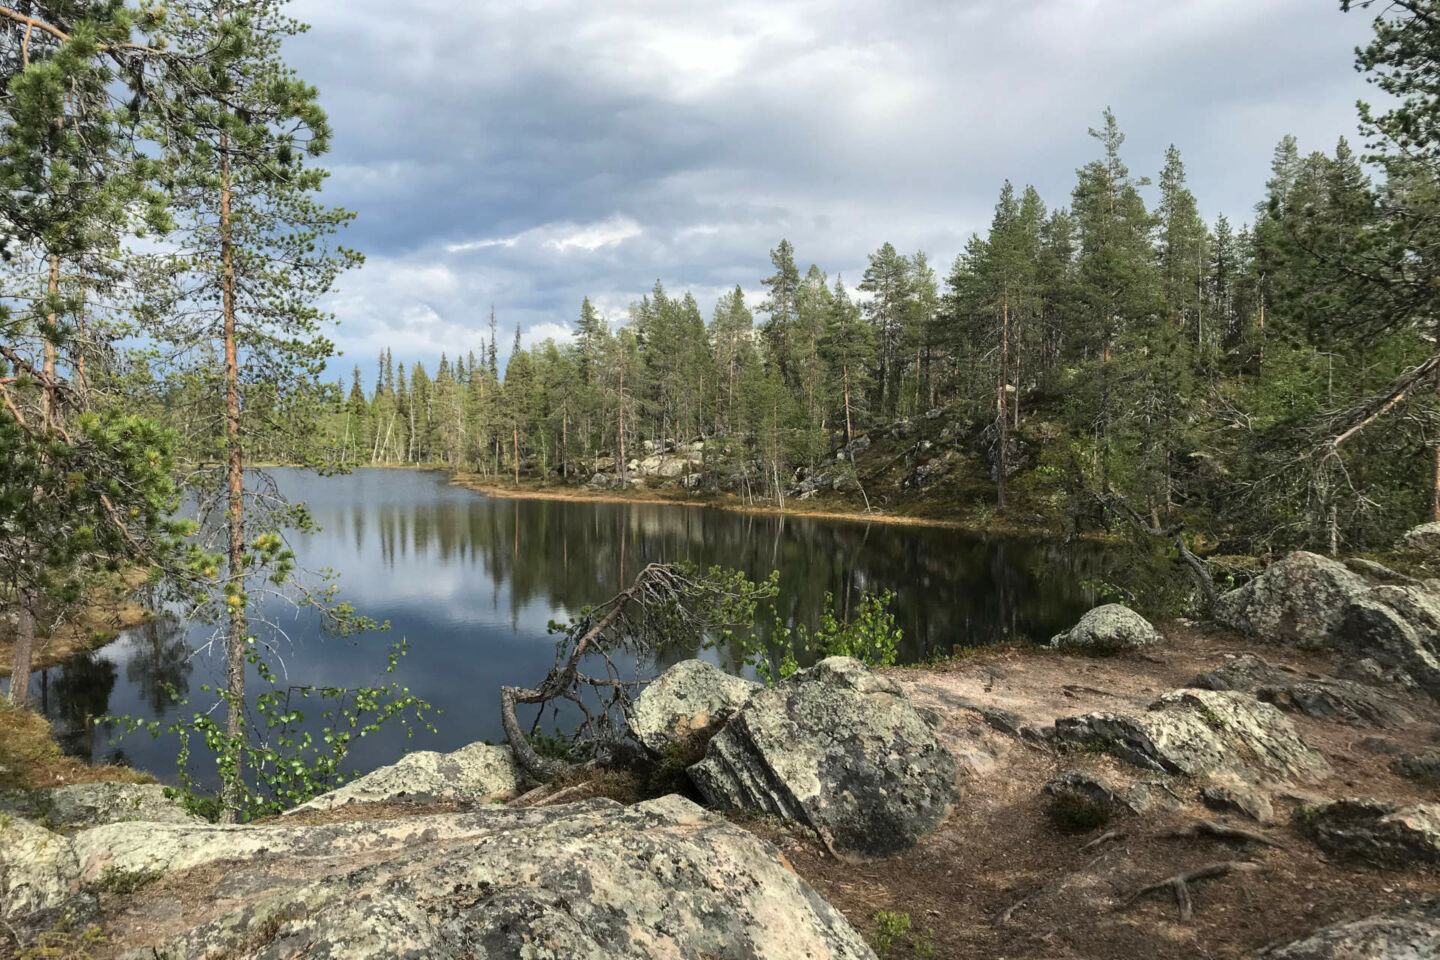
(729, 503)
(110, 612)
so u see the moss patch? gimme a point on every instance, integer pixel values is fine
(29, 756)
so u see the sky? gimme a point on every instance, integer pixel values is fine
(527, 153)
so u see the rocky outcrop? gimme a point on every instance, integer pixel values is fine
(588, 880)
(1422, 767)
(478, 773)
(1197, 732)
(1308, 600)
(838, 748)
(1112, 628)
(89, 804)
(1377, 831)
(1302, 599)
(1425, 537)
(690, 701)
(1327, 698)
(1241, 799)
(1409, 932)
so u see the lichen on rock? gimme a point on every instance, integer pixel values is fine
(692, 699)
(838, 748)
(1109, 629)
(478, 773)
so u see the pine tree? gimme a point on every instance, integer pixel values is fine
(256, 255)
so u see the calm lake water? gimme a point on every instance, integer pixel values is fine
(472, 582)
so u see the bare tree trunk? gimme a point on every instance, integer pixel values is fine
(1000, 398)
(235, 514)
(24, 644)
(624, 478)
(515, 448)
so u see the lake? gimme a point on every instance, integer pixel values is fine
(471, 582)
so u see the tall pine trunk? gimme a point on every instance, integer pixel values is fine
(24, 644)
(235, 459)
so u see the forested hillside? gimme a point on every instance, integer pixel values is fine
(1269, 383)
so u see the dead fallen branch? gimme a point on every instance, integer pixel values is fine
(1179, 884)
(1104, 838)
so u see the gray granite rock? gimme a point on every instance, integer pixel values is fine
(1424, 537)
(1195, 732)
(692, 699)
(1109, 629)
(1407, 932)
(587, 880)
(478, 773)
(1377, 831)
(838, 748)
(88, 804)
(1327, 698)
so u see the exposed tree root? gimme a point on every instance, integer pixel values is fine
(1179, 884)
(1218, 831)
(1104, 838)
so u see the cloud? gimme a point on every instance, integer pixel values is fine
(529, 154)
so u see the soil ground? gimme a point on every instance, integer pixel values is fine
(1000, 847)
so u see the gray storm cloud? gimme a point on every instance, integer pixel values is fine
(528, 154)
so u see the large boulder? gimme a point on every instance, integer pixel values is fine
(1369, 613)
(1399, 628)
(1408, 932)
(1425, 537)
(89, 804)
(1324, 698)
(1198, 732)
(1301, 599)
(1377, 831)
(1112, 628)
(478, 773)
(688, 702)
(590, 880)
(838, 748)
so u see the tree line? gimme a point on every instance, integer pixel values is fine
(1269, 384)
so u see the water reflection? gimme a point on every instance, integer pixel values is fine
(472, 582)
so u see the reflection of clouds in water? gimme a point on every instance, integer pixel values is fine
(472, 583)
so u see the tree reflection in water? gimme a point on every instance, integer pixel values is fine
(471, 583)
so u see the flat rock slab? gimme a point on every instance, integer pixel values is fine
(838, 748)
(1324, 698)
(594, 880)
(1409, 932)
(89, 804)
(692, 699)
(1197, 732)
(1377, 831)
(479, 773)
